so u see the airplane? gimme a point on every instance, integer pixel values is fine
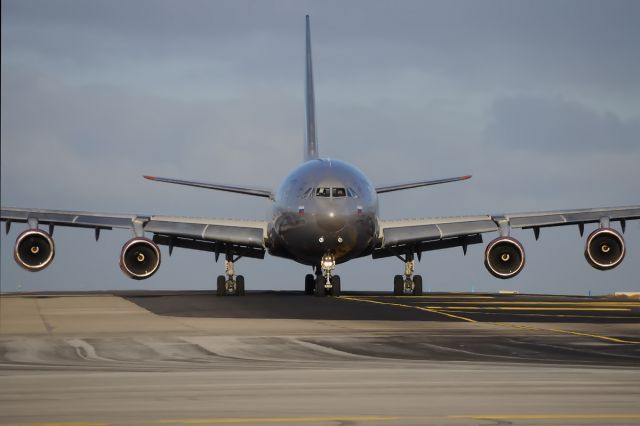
(325, 212)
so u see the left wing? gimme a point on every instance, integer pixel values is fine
(34, 248)
(605, 247)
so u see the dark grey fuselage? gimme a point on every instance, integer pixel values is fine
(306, 226)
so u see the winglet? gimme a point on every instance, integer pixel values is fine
(149, 177)
(311, 139)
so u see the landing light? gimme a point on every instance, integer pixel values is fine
(321, 239)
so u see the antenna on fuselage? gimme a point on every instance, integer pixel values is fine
(311, 139)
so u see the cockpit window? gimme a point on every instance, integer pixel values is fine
(323, 192)
(351, 193)
(339, 192)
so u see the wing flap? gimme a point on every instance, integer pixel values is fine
(241, 235)
(429, 232)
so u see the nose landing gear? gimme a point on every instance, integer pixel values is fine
(325, 282)
(407, 284)
(232, 284)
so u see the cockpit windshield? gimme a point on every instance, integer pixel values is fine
(326, 192)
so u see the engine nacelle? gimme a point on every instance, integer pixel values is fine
(34, 250)
(140, 258)
(504, 257)
(604, 249)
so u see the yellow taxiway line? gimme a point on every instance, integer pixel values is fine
(519, 308)
(500, 324)
(552, 417)
(400, 305)
(349, 419)
(518, 314)
(620, 304)
(575, 333)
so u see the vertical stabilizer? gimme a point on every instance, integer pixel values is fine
(311, 139)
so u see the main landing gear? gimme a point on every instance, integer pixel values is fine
(231, 284)
(407, 284)
(324, 283)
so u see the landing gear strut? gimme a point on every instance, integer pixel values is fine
(231, 284)
(407, 284)
(325, 282)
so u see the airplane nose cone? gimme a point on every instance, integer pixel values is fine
(332, 220)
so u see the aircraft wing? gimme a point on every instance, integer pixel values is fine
(418, 235)
(227, 236)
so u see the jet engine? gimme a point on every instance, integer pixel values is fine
(604, 249)
(34, 250)
(140, 258)
(504, 257)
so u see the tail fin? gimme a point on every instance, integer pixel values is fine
(311, 140)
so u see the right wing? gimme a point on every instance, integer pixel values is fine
(226, 236)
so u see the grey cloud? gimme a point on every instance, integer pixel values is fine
(557, 125)
(519, 44)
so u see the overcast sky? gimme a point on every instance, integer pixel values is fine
(539, 100)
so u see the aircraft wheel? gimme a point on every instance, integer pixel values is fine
(240, 285)
(417, 285)
(335, 286)
(309, 284)
(221, 284)
(398, 285)
(321, 291)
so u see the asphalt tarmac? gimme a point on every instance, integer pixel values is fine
(285, 358)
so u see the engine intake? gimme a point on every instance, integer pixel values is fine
(140, 258)
(604, 249)
(504, 257)
(34, 250)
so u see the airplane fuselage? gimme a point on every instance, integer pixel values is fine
(324, 207)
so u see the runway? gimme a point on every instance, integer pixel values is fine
(285, 358)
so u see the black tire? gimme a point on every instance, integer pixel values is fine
(239, 285)
(417, 285)
(398, 285)
(221, 286)
(320, 290)
(309, 284)
(335, 286)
